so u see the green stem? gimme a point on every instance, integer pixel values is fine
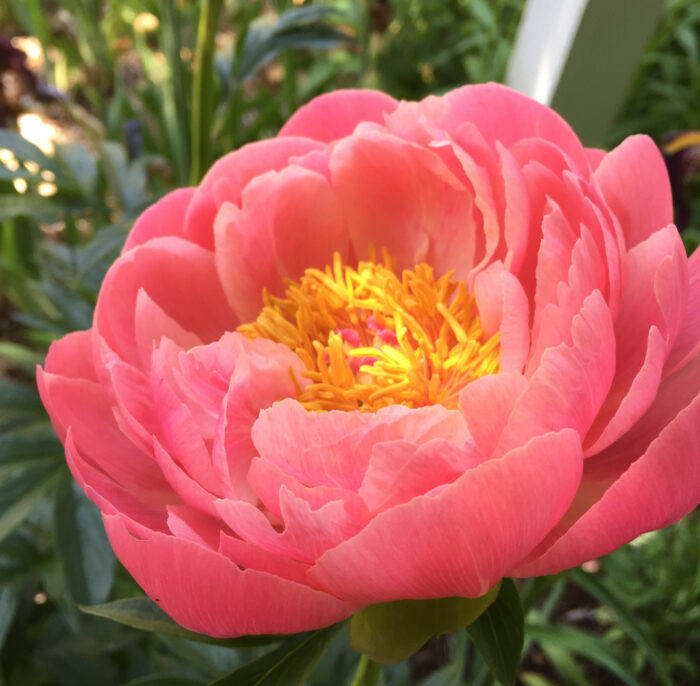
(367, 672)
(203, 87)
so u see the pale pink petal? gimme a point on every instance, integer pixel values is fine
(335, 115)
(227, 178)
(461, 541)
(635, 183)
(245, 602)
(164, 218)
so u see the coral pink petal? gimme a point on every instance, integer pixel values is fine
(227, 178)
(687, 344)
(244, 602)
(399, 470)
(72, 356)
(595, 157)
(164, 218)
(635, 183)
(461, 541)
(84, 406)
(335, 115)
(658, 488)
(261, 377)
(503, 308)
(571, 382)
(190, 524)
(179, 276)
(249, 555)
(289, 221)
(504, 115)
(149, 513)
(487, 403)
(398, 196)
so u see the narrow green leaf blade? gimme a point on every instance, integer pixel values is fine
(498, 634)
(288, 665)
(142, 613)
(84, 552)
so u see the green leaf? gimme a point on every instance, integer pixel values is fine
(162, 680)
(83, 550)
(498, 634)
(390, 633)
(581, 643)
(288, 665)
(142, 613)
(20, 493)
(9, 602)
(644, 640)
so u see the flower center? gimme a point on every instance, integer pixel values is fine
(370, 338)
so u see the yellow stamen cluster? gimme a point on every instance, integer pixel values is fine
(370, 339)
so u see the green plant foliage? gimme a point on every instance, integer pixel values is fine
(124, 96)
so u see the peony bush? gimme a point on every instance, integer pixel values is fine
(400, 351)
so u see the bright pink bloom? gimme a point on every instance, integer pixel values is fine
(242, 510)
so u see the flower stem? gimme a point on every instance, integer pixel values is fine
(367, 672)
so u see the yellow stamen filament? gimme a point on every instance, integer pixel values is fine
(369, 339)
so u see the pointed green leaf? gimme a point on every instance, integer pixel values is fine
(288, 665)
(498, 634)
(391, 632)
(142, 613)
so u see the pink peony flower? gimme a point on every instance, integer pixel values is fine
(402, 350)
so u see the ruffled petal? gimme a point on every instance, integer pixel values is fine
(461, 541)
(206, 592)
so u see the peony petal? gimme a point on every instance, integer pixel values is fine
(656, 490)
(687, 344)
(227, 178)
(335, 115)
(179, 276)
(502, 114)
(398, 196)
(163, 218)
(460, 542)
(635, 183)
(289, 221)
(245, 602)
(503, 307)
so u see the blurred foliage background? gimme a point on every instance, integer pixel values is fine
(104, 107)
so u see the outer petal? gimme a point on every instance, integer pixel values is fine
(659, 488)
(335, 115)
(179, 276)
(206, 592)
(164, 218)
(502, 114)
(461, 541)
(225, 181)
(635, 183)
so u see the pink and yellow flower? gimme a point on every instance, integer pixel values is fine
(401, 350)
